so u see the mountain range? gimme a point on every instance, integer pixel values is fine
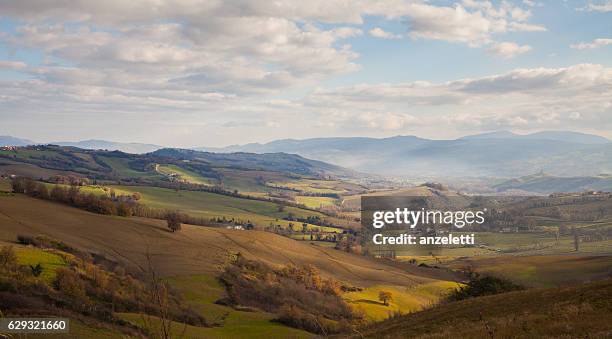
(127, 147)
(496, 154)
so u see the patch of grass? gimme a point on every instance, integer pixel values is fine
(542, 270)
(183, 174)
(315, 202)
(80, 330)
(201, 292)
(405, 299)
(239, 325)
(49, 261)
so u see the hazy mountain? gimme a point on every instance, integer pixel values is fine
(545, 183)
(132, 147)
(6, 140)
(567, 136)
(492, 154)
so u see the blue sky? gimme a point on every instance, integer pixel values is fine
(206, 73)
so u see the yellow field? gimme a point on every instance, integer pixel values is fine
(405, 299)
(315, 202)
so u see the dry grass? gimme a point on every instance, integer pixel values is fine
(573, 312)
(194, 250)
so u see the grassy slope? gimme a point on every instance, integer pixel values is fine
(238, 325)
(47, 259)
(572, 312)
(194, 250)
(543, 270)
(208, 205)
(184, 175)
(190, 259)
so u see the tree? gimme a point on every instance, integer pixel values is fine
(36, 270)
(385, 297)
(18, 185)
(174, 221)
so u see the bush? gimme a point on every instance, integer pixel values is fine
(483, 285)
(173, 219)
(299, 295)
(8, 258)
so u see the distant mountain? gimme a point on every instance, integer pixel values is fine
(6, 140)
(132, 147)
(499, 154)
(545, 183)
(566, 136)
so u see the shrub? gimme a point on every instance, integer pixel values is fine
(70, 283)
(8, 258)
(36, 269)
(299, 295)
(483, 285)
(173, 219)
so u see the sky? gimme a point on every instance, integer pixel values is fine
(213, 73)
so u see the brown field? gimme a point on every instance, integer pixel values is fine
(194, 250)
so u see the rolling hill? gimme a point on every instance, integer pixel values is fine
(544, 183)
(572, 312)
(205, 166)
(500, 154)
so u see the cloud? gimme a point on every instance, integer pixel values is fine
(594, 44)
(509, 49)
(12, 65)
(536, 97)
(378, 32)
(605, 6)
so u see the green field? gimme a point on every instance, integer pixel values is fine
(184, 175)
(48, 260)
(209, 205)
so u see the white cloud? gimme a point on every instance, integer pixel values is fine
(509, 49)
(538, 97)
(12, 65)
(594, 44)
(605, 6)
(378, 32)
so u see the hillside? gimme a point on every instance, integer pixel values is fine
(544, 183)
(194, 250)
(495, 154)
(192, 259)
(577, 311)
(244, 172)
